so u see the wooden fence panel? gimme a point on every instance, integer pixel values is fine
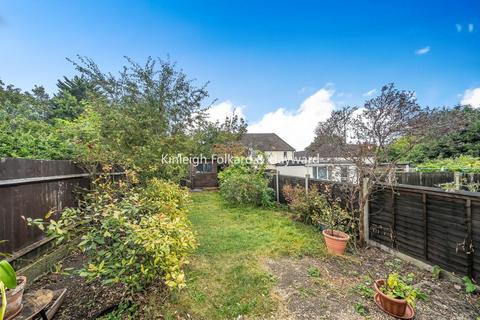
(441, 228)
(409, 235)
(425, 179)
(33, 199)
(475, 207)
(381, 218)
(433, 179)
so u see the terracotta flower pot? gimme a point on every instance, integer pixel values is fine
(336, 241)
(14, 298)
(393, 306)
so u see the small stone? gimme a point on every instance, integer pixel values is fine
(457, 286)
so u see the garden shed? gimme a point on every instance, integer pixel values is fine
(204, 174)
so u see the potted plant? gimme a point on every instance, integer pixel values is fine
(11, 288)
(396, 297)
(335, 219)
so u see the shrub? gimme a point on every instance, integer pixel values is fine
(308, 206)
(316, 208)
(131, 235)
(243, 184)
(463, 163)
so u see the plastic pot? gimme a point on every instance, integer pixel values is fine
(15, 298)
(395, 307)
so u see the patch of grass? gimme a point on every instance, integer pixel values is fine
(225, 278)
(361, 309)
(394, 265)
(314, 272)
(365, 289)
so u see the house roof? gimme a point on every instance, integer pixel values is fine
(265, 142)
(300, 154)
(334, 151)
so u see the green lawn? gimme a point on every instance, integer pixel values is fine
(225, 278)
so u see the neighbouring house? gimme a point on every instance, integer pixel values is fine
(324, 163)
(271, 145)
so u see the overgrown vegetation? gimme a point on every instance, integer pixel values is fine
(463, 140)
(317, 208)
(131, 234)
(131, 118)
(244, 183)
(463, 163)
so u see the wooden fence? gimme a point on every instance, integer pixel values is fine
(437, 227)
(433, 179)
(31, 188)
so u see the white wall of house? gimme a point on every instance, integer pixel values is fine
(278, 156)
(274, 157)
(328, 171)
(334, 172)
(294, 171)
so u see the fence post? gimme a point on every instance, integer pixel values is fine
(469, 238)
(457, 178)
(277, 187)
(307, 176)
(366, 211)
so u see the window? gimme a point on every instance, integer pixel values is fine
(344, 173)
(322, 173)
(285, 153)
(204, 167)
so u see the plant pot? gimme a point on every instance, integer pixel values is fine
(14, 298)
(395, 307)
(336, 241)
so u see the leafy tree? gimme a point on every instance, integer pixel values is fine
(146, 111)
(219, 138)
(462, 139)
(24, 131)
(72, 95)
(78, 86)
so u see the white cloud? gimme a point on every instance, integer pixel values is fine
(221, 110)
(458, 27)
(297, 127)
(470, 27)
(370, 93)
(471, 97)
(422, 51)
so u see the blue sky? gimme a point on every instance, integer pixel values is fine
(267, 57)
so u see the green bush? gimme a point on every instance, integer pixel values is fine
(317, 209)
(464, 163)
(242, 183)
(131, 235)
